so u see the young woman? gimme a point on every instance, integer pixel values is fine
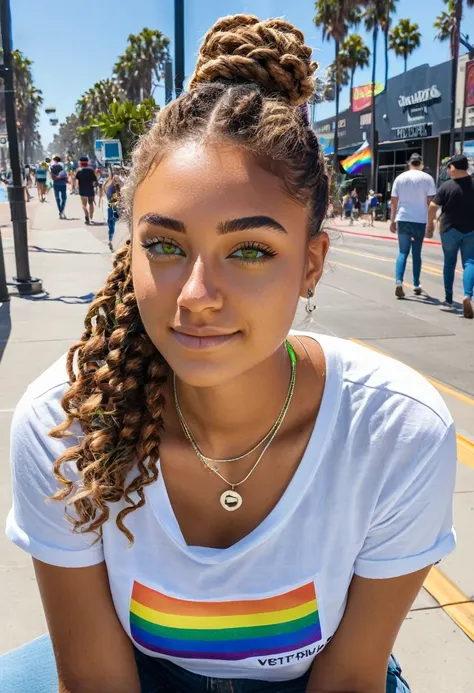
(236, 507)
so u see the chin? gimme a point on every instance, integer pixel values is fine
(202, 374)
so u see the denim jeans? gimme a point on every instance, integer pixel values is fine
(410, 235)
(60, 193)
(112, 217)
(452, 241)
(32, 669)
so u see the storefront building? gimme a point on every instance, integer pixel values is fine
(413, 115)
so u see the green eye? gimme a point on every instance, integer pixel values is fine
(168, 248)
(249, 254)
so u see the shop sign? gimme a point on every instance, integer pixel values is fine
(362, 96)
(342, 123)
(324, 128)
(365, 119)
(413, 132)
(470, 83)
(416, 105)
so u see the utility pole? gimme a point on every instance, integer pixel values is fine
(178, 46)
(24, 283)
(168, 81)
(454, 70)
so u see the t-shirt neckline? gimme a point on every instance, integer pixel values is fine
(300, 482)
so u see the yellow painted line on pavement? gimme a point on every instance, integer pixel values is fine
(379, 276)
(373, 274)
(465, 447)
(453, 602)
(429, 269)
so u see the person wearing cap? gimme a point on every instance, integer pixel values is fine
(412, 193)
(455, 198)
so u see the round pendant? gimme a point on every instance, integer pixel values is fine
(231, 500)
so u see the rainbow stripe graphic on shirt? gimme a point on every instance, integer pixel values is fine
(230, 630)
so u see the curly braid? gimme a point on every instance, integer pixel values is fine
(248, 88)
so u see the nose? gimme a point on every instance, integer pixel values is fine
(200, 293)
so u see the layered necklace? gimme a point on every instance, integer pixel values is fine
(232, 500)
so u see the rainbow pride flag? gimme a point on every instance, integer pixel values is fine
(354, 162)
(224, 630)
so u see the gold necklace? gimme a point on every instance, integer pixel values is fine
(232, 500)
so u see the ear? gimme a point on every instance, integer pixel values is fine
(316, 255)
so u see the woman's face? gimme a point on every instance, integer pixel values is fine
(220, 257)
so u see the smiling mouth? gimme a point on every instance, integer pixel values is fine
(190, 341)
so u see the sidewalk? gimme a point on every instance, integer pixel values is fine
(34, 332)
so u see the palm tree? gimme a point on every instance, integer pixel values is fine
(404, 38)
(354, 54)
(126, 121)
(140, 68)
(385, 24)
(97, 99)
(374, 17)
(448, 25)
(335, 17)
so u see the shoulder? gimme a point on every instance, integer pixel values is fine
(378, 392)
(40, 409)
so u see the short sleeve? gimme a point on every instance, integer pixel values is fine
(440, 197)
(35, 524)
(431, 186)
(413, 526)
(394, 192)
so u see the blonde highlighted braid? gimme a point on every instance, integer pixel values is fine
(249, 88)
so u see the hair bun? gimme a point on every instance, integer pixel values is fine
(271, 53)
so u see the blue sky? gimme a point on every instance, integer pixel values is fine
(74, 44)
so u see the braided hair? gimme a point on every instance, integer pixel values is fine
(250, 88)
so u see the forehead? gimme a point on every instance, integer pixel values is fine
(212, 179)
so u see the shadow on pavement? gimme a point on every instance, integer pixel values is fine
(5, 326)
(60, 251)
(86, 298)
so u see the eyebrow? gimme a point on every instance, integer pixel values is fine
(249, 223)
(163, 221)
(223, 227)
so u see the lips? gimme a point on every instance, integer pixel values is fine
(203, 339)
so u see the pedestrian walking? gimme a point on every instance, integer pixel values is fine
(59, 178)
(112, 193)
(455, 198)
(289, 560)
(87, 184)
(412, 192)
(41, 176)
(348, 207)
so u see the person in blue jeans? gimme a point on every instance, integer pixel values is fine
(112, 193)
(288, 562)
(455, 198)
(412, 192)
(59, 177)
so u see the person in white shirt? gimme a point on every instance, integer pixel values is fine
(236, 506)
(412, 193)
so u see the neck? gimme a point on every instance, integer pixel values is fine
(230, 418)
(460, 174)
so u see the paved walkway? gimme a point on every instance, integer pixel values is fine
(355, 300)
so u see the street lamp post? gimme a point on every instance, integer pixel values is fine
(178, 46)
(23, 281)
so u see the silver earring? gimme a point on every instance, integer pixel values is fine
(309, 306)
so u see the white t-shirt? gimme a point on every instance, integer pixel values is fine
(412, 188)
(371, 496)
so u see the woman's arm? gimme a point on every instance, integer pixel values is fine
(93, 652)
(356, 659)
